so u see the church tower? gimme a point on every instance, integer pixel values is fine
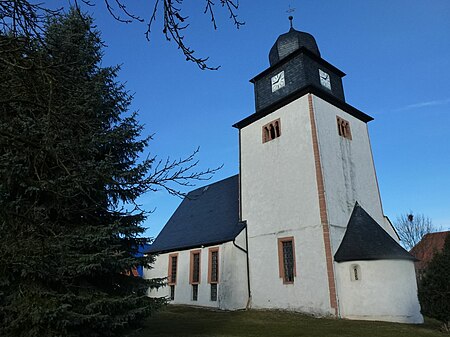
(306, 170)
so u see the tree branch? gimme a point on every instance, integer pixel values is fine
(28, 18)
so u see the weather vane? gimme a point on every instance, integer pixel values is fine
(290, 11)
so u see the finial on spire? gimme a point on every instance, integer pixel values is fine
(290, 19)
(290, 10)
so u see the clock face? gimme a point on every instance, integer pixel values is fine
(278, 81)
(324, 79)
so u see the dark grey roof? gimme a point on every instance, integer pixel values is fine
(366, 240)
(208, 215)
(289, 42)
(299, 93)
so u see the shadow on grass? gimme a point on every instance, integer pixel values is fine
(189, 321)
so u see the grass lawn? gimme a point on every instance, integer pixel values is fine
(187, 321)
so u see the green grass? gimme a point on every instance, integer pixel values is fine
(187, 321)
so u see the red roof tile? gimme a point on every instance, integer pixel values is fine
(427, 247)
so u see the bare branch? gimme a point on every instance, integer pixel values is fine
(25, 18)
(231, 6)
(412, 227)
(209, 9)
(28, 18)
(172, 174)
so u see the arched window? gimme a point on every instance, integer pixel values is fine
(271, 131)
(343, 128)
(355, 272)
(339, 126)
(277, 129)
(266, 134)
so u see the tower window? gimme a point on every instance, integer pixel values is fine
(343, 128)
(271, 131)
(286, 259)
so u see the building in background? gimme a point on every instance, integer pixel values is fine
(426, 248)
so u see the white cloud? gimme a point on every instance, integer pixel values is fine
(424, 104)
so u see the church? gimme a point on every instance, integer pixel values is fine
(301, 227)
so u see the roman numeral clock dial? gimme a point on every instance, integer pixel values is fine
(278, 81)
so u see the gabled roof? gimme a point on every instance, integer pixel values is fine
(427, 247)
(365, 239)
(208, 215)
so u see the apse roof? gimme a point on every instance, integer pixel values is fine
(208, 215)
(365, 239)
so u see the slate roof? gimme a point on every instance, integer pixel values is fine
(290, 42)
(365, 239)
(208, 215)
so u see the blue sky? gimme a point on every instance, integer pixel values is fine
(396, 55)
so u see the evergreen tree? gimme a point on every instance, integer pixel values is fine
(69, 171)
(434, 287)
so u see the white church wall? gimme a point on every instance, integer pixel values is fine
(233, 292)
(348, 170)
(280, 199)
(309, 292)
(385, 290)
(232, 286)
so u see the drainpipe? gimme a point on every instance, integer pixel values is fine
(248, 264)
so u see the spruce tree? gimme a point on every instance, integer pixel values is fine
(434, 287)
(70, 175)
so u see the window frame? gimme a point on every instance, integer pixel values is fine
(172, 292)
(210, 266)
(195, 292)
(343, 127)
(355, 273)
(169, 274)
(216, 286)
(191, 271)
(281, 265)
(271, 130)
